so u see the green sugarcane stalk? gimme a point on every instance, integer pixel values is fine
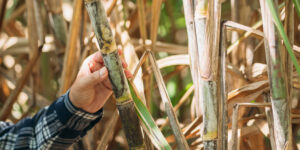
(207, 36)
(207, 87)
(277, 81)
(203, 72)
(117, 77)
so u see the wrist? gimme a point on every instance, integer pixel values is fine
(81, 120)
(72, 98)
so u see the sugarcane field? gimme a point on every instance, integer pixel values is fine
(149, 74)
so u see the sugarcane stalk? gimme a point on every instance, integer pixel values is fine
(38, 19)
(200, 18)
(142, 21)
(2, 11)
(287, 61)
(207, 25)
(235, 10)
(143, 33)
(131, 58)
(270, 119)
(223, 117)
(193, 52)
(156, 6)
(57, 21)
(71, 51)
(117, 77)
(278, 90)
(203, 44)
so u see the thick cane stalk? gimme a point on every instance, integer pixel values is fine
(276, 78)
(117, 77)
(200, 18)
(131, 57)
(204, 35)
(207, 24)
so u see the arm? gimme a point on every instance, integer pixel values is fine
(56, 127)
(68, 118)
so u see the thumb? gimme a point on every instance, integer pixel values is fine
(97, 76)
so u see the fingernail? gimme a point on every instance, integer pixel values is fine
(103, 71)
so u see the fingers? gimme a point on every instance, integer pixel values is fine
(128, 74)
(97, 57)
(120, 51)
(107, 84)
(124, 64)
(97, 76)
(95, 66)
(98, 72)
(126, 71)
(95, 61)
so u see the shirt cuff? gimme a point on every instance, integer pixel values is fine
(75, 118)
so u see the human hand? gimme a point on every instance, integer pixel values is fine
(92, 87)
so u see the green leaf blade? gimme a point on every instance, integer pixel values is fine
(148, 121)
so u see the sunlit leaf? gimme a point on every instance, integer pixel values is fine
(148, 121)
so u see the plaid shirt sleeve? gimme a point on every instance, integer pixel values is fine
(54, 127)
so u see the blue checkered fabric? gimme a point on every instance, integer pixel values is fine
(54, 127)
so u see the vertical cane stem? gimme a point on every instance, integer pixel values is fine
(277, 81)
(117, 77)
